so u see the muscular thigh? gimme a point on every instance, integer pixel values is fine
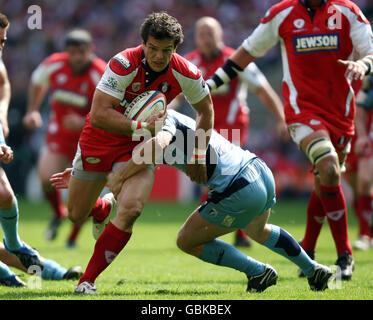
(133, 196)
(50, 163)
(82, 196)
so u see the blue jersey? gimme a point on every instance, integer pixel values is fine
(224, 160)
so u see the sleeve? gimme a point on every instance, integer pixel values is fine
(118, 75)
(253, 77)
(266, 35)
(360, 32)
(193, 87)
(40, 76)
(170, 123)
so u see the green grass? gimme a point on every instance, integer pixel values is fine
(152, 267)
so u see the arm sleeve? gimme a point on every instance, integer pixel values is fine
(194, 88)
(266, 35)
(116, 79)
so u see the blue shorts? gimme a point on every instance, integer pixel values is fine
(250, 194)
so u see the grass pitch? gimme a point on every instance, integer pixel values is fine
(151, 267)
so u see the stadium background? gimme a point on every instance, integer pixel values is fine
(114, 26)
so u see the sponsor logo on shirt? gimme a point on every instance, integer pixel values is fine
(123, 61)
(70, 98)
(316, 43)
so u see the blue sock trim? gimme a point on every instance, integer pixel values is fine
(9, 223)
(5, 272)
(273, 237)
(52, 270)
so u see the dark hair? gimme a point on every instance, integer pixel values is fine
(4, 23)
(77, 37)
(161, 25)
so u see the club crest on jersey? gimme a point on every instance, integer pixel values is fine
(164, 87)
(299, 23)
(316, 43)
(136, 86)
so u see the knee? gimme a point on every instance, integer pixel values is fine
(364, 186)
(75, 215)
(181, 241)
(259, 235)
(128, 213)
(6, 199)
(329, 170)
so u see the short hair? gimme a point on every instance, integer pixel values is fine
(161, 25)
(78, 37)
(4, 22)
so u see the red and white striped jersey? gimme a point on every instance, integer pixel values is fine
(230, 99)
(313, 81)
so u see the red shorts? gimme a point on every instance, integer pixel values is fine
(352, 160)
(339, 138)
(99, 150)
(66, 147)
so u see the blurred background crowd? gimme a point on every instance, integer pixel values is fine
(114, 25)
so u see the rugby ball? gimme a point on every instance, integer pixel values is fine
(146, 104)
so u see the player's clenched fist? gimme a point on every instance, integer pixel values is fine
(6, 154)
(32, 120)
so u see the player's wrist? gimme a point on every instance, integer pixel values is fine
(199, 155)
(138, 125)
(368, 63)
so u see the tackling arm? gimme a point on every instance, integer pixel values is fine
(145, 154)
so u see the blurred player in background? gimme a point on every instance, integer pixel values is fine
(106, 141)
(318, 37)
(359, 164)
(14, 251)
(230, 100)
(71, 78)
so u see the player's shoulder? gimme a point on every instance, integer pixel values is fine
(276, 9)
(126, 61)
(98, 64)
(192, 54)
(351, 7)
(184, 66)
(56, 57)
(227, 51)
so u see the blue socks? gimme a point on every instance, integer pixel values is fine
(5, 272)
(9, 223)
(224, 254)
(284, 244)
(52, 270)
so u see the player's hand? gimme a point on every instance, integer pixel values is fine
(197, 172)
(4, 123)
(32, 120)
(363, 146)
(355, 70)
(155, 121)
(6, 154)
(114, 183)
(73, 122)
(61, 180)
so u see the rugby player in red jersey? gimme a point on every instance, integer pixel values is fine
(106, 141)
(71, 78)
(318, 39)
(359, 168)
